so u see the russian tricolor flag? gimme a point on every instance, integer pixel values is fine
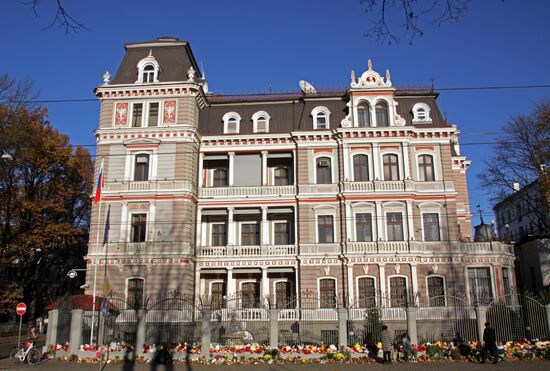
(99, 185)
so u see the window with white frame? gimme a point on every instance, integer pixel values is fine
(134, 292)
(231, 123)
(321, 117)
(382, 115)
(148, 70)
(327, 293)
(323, 170)
(366, 291)
(430, 223)
(141, 167)
(250, 295)
(250, 233)
(360, 168)
(481, 290)
(325, 228)
(363, 115)
(138, 227)
(148, 75)
(507, 286)
(260, 121)
(398, 291)
(281, 232)
(363, 227)
(217, 292)
(283, 294)
(390, 162)
(394, 226)
(421, 113)
(281, 175)
(218, 236)
(426, 168)
(145, 114)
(436, 291)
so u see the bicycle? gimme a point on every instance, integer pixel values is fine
(31, 354)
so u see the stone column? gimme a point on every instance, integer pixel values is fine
(382, 275)
(141, 331)
(412, 313)
(406, 169)
(205, 332)
(342, 326)
(231, 168)
(410, 221)
(376, 162)
(75, 338)
(264, 286)
(348, 173)
(231, 228)
(351, 296)
(264, 230)
(273, 328)
(230, 287)
(198, 228)
(379, 221)
(53, 318)
(481, 317)
(414, 280)
(264, 168)
(200, 182)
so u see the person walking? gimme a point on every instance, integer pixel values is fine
(387, 342)
(490, 344)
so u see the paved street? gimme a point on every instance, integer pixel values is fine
(447, 366)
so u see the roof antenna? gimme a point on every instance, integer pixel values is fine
(433, 84)
(478, 207)
(270, 89)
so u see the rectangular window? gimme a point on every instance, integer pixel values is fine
(324, 171)
(135, 293)
(394, 224)
(426, 168)
(282, 233)
(481, 292)
(363, 227)
(507, 285)
(327, 291)
(250, 292)
(153, 118)
(325, 227)
(139, 226)
(367, 292)
(398, 291)
(282, 176)
(219, 234)
(137, 115)
(436, 291)
(391, 167)
(220, 176)
(216, 295)
(360, 168)
(431, 227)
(282, 294)
(250, 234)
(141, 168)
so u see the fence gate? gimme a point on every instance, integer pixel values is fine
(364, 322)
(120, 321)
(446, 317)
(517, 316)
(240, 319)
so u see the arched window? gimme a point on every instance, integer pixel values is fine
(436, 291)
(148, 74)
(391, 167)
(134, 291)
(327, 293)
(366, 291)
(360, 168)
(141, 168)
(426, 168)
(382, 117)
(231, 123)
(398, 291)
(324, 170)
(260, 121)
(421, 113)
(320, 116)
(363, 115)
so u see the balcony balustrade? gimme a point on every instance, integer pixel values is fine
(318, 188)
(398, 186)
(149, 186)
(215, 192)
(246, 251)
(148, 247)
(421, 246)
(320, 249)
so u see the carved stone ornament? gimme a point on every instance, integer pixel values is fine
(346, 121)
(106, 78)
(366, 269)
(397, 268)
(326, 268)
(434, 268)
(371, 79)
(191, 74)
(399, 121)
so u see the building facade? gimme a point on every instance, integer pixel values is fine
(357, 195)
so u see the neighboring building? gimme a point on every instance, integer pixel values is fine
(522, 220)
(357, 195)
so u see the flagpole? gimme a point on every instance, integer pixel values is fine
(98, 189)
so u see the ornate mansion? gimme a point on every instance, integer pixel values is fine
(357, 196)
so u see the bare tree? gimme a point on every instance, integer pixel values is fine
(62, 18)
(394, 19)
(522, 155)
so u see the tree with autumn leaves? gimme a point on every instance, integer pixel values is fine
(45, 187)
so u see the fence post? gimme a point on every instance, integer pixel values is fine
(412, 314)
(206, 331)
(141, 331)
(75, 338)
(481, 317)
(51, 335)
(274, 328)
(342, 326)
(547, 310)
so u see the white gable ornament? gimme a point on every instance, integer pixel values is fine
(397, 268)
(370, 79)
(326, 268)
(366, 269)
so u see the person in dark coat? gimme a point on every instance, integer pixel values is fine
(387, 343)
(490, 344)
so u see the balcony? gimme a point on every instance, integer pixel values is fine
(383, 247)
(149, 186)
(255, 191)
(245, 251)
(398, 186)
(149, 247)
(486, 247)
(318, 188)
(320, 249)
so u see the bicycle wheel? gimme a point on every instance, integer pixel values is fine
(34, 356)
(14, 355)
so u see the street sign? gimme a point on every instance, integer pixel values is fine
(21, 309)
(72, 273)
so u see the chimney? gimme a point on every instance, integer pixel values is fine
(516, 186)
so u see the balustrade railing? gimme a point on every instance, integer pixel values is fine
(247, 191)
(241, 251)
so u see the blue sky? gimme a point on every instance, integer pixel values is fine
(247, 46)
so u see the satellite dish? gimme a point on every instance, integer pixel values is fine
(307, 87)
